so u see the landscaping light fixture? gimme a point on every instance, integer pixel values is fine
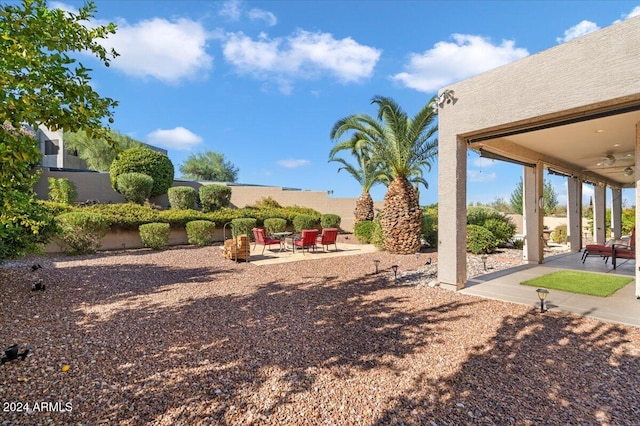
(484, 261)
(376, 262)
(395, 271)
(542, 294)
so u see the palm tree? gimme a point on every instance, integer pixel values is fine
(403, 146)
(366, 173)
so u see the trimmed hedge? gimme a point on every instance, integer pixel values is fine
(304, 221)
(155, 235)
(135, 187)
(182, 197)
(275, 224)
(330, 220)
(201, 232)
(82, 232)
(214, 197)
(147, 161)
(243, 225)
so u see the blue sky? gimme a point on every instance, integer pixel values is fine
(263, 82)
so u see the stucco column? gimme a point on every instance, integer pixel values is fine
(616, 212)
(599, 211)
(452, 210)
(574, 213)
(637, 177)
(532, 217)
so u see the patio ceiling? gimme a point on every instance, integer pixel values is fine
(575, 147)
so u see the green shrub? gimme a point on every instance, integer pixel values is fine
(304, 221)
(377, 236)
(201, 232)
(147, 161)
(502, 229)
(135, 187)
(243, 225)
(501, 226)
(560, 234)
(155, 235)
(16, 239)
(125, 215)
(180, 218)
(518, 243)
(214, 197)
(480, 240)
(62, 190)
(266, 202)
(275, 224)
(182, 197)
(82, 232)
(330, 220)
(429, 228)
(54, 208)
(363, 231)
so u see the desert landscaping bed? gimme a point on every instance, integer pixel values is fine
(184, 336)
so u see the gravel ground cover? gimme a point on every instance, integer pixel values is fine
(184, 337)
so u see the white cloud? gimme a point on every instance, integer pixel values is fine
(62, 6)
(168, 51)
(302, 55)
(263, 15)
(483, 162)
(584, 27)
(448, 62)
(293, 163)
(230, 9)
(634, 12)
(479, 176)
(179, 138)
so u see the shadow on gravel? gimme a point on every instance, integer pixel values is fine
(538, 369)
(208, 357)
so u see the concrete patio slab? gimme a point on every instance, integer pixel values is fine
(622, 307)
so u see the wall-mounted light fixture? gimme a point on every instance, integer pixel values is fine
(445, 97)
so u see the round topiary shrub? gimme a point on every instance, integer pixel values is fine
(82, 232)
(147, 161)
(363, 231)
(480, 240)
(275, 224)
(135, 187)
(303, 221)
(214, 197)
(201, 232)
(330, 220)
(243, 225)
(182, 197)
(155, 235)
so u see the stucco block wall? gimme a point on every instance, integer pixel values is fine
(97, 186)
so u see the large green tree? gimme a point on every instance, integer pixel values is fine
(99, 153)
(41, 82)
(404, 146)
(209, 166)
(549, 195)
(367, 172)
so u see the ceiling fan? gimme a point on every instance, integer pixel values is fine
(610, 159)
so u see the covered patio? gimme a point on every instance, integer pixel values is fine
(574, 110)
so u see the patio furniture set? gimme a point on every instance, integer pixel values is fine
(307, 239)
(614, 249)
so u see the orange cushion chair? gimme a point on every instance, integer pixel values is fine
(328, 237)
(260, 238)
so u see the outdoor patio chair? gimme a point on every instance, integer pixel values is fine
(607, 250)
(260, 238)
(307, 240)
(328, 237)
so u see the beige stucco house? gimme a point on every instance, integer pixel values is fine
(573, 109)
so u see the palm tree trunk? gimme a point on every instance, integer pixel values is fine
(364, 207)
(401, 218)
